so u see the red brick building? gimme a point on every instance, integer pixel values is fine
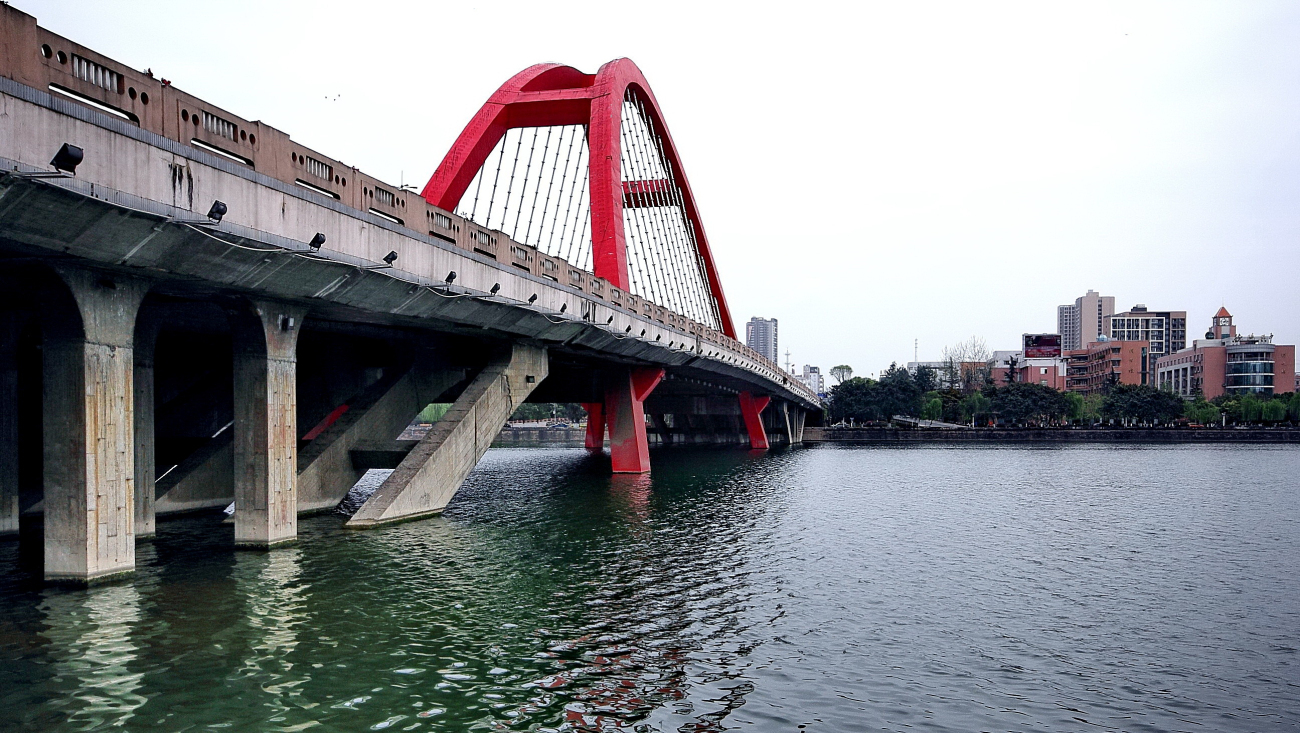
(1106, 362)
(1224, 362)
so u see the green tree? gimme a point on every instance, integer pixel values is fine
(1294, 408)
(1273, 411)
(1141, 403)
(976, 407)
(1023, 403)
(842, 373)
(933, 408)
(1092, 408)
(927, 380)
(1201, 412)
(1251, 408)
(1074, 408)
(853, 399)
(898, 393)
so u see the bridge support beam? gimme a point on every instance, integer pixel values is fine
(88, 427)
(751, 408)
(265, 430)
(426, 480)
(629, 446)
(595, 425)
(379, 413)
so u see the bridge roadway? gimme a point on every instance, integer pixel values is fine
(155, 360)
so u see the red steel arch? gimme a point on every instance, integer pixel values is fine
(547, 95)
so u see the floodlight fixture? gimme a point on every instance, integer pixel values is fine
(451, 277)
(532, 298)
(217, 211)
(564, 307)
(68, 158)
(390, 258)
(495, 287)
(316, 241)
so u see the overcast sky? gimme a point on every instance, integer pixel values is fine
(868, 173)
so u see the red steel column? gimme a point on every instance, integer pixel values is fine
(595, 425)
(751, 409)
(629, 447)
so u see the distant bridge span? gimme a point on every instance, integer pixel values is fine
(196, 309)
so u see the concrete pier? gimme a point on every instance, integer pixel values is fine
(89, 450)
(266, 426)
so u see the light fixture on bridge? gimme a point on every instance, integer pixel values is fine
(316, 242)
(390, 258)
(564, 307)
(68, 158)
(532, 298)
(628, 330)
(658, 336)
(217, 211)
(451, 277)
(643, 332)
(495, 288)
(611, 320)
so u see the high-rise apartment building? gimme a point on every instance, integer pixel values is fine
(1166, 331)
(1083, 321)
(760, 335)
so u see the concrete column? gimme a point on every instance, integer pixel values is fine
(89, 455)
(629, 446)
(10, 327)
(751, 409)
(146, 339)
(266, 427)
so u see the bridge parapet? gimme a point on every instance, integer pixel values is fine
(38, 58)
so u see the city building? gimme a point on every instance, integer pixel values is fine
(1106, 362)
(1045, 371)
(1082, 322)
(1165, 331)
(760, 335)
(1224, 362)
(953, 375)
(812, 377)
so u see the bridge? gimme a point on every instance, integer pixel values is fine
(197, 310)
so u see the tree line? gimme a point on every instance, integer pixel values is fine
(858, 400)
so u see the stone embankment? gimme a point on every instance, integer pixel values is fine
(1053, 435)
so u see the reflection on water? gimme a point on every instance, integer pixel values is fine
(90, 636)
(819, 589)
(276, 609)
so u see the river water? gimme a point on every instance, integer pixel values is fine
(820, 589)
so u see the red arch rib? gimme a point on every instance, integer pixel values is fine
(551, 94)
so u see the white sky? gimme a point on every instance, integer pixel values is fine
(868, 173)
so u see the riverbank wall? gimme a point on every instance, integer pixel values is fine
(1053, 435)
